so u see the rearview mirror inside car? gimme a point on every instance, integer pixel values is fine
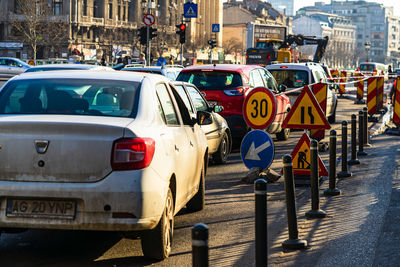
(204, 118)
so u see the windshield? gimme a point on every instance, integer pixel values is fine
(70, 96)
(367, 67)
(290, 78)
(211, 80)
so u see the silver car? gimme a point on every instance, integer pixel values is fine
(50, 67)
(10, 67)
(111, 151)
(218, 133)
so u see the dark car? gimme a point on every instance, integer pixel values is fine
(227, 85)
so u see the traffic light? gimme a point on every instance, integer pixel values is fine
(212, 43)
(182, 32)
(153, 33)
(143, 35)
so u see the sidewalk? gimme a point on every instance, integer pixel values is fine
(362, 227)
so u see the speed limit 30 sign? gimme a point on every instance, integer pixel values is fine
(259, 108)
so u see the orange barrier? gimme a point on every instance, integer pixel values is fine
(396, 106)
(342, 87)
(320, 91)
(371, 95)
(360, 86)
(379, 93)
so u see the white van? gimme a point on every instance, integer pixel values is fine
(373, 68)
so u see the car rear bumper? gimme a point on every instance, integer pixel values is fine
(137, 196)
(237, 125)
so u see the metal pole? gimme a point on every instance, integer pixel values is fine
(315, 211)
(344, 173)
(361, 151)
(354, 160)
(366, 130)
(182, 44)
(332, 190)
(147, 36)
(260, 191)
(200, 245)
(293, 242)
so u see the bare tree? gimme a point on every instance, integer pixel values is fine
(35, 23)
(232, 45)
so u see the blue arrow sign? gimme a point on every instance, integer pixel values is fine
(215, 28)
(257, 150)
(190, 10)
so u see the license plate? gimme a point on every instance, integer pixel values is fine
(41, 208)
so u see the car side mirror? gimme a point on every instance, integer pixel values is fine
(282, 88)
(204, 118)
(218, 108)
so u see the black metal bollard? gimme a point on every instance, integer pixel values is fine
(366, 131)
(344, 173)
(361, 151)
(315, 211)
(293, 242)
(354, 160)
(200, 245)
(260, 191)
(332, 190)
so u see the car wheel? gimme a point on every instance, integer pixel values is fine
(283, 134)
(157, 243)
(197, 202)
(221, 156)
(332, 118)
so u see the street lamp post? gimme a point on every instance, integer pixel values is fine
(367, 47)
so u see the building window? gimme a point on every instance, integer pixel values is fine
(96, 9)
(124, 13)
(57, 7)
(110, 13)
(119, 12)
(84, 8)
(88, 33)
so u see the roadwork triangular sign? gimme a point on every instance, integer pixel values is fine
(306, 113)
(301, 158)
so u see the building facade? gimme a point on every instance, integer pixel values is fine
(375, 23)
(340, 31)
(107, 28)
(284, 6)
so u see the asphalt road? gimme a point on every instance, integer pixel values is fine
(229, 214)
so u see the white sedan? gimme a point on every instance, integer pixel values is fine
(88, 150)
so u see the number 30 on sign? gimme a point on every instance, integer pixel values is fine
(259, 108)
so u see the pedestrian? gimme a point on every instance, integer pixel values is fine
(125, 61)
(171, 60)
(161, 61)
(119, 60)
(142, 59)
(103, 61)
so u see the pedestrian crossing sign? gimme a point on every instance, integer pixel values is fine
(301, 158)
(215, 28)
(190, 10)
(306, 113)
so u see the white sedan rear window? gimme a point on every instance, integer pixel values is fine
(70, 96)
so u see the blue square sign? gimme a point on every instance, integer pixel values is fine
(215, 28)
(190, 10)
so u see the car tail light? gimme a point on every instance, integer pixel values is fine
(132, 153)
(234, 91)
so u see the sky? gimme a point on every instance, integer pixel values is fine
(394, 3)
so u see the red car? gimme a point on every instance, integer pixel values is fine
(227, 85)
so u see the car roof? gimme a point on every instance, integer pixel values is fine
(222, 67)
(70, 66)
(91, 74)
(291, 66)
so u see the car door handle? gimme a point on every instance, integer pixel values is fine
(176, 148)
(191, 143)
